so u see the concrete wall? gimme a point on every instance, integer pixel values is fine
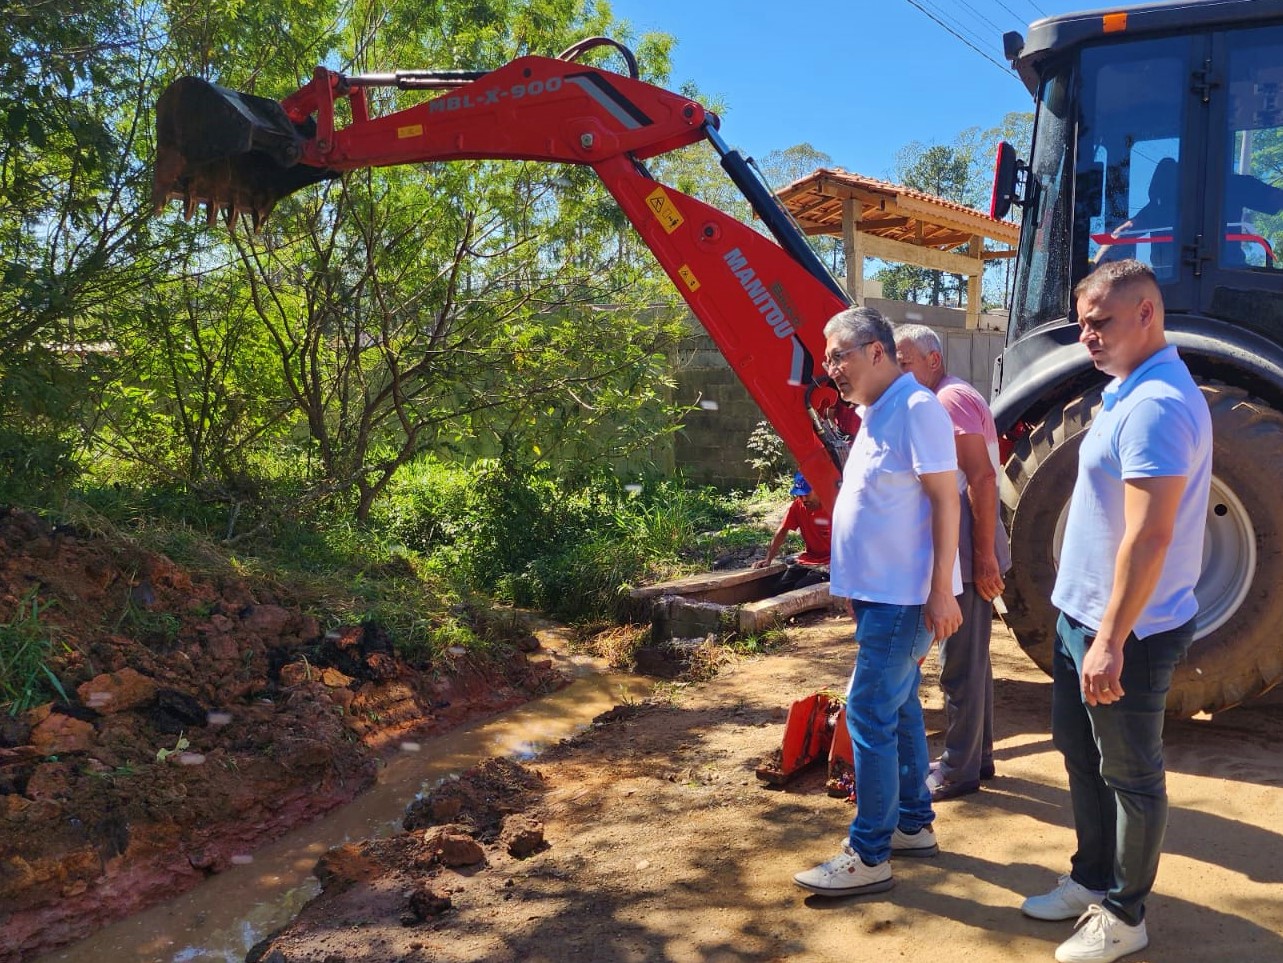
(712, 447)
(967, 354)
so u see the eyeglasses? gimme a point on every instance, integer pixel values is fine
(836, 359)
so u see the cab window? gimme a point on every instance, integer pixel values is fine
(1129, 158)
(1251, 194)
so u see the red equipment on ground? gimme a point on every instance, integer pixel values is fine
(814, 731)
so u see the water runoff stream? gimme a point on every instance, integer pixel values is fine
(222, 918)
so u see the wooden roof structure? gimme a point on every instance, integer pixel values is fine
(891, 222)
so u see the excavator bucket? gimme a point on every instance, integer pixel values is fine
(235, 153)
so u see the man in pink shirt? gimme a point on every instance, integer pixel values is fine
(966, 675)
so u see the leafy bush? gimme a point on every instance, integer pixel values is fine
(645, 535)
(443, 544)
(532, 538)
(767, 453)
(426, 505)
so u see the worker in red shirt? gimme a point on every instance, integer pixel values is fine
(806, 515)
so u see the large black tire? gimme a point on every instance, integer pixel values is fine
(1238, 647)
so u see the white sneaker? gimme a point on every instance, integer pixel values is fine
(1102, 938)
(1068, 900)
(846, 875)
(921, 843)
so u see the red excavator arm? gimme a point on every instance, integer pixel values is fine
(764, 303)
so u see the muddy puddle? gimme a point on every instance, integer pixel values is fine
(226, 915)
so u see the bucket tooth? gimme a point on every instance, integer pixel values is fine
(259, 214)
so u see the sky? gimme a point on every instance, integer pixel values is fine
(856, 79)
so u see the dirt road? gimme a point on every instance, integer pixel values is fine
(662, 845)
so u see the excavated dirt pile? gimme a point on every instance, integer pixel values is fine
(202, 717)
(469, 825)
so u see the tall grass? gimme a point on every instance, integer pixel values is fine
(533, 539)
(26, 649)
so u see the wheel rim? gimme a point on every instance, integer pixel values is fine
(1229, 558)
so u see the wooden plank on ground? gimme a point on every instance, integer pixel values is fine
(705, 581)
(755, 617)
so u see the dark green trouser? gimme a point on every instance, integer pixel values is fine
(1114, 757)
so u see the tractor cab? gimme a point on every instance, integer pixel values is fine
(1159, 136)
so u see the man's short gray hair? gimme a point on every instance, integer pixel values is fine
(923, 338)
(862, 326)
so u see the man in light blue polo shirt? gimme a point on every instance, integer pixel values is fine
(895, 555)
(1125, 589)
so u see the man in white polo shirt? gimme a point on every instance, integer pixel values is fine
(895, 555)
(1132, 554)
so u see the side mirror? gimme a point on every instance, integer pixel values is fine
(1009, 177)
(1013, 45)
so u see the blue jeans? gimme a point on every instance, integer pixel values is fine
(888, 736)
(1114, 757)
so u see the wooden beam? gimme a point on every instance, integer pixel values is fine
(853, 249)
(805, 206)
(965, 220)
(927, 257)
(827, 190)
(705, 582)
(975, 248)
(933, 235)
(756, 617)
(878, 223)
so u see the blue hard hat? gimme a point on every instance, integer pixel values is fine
(800, 487)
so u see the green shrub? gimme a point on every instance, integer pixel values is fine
(442, 542)
(426, 505)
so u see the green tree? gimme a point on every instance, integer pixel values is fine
(493, 308)
(71, 235)
(942, 171)
(499, 308)
(961, 172)
(782, 167)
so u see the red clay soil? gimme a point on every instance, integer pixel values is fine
(649, 838)
(203, 717)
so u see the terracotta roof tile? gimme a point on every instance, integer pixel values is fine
(888, 210)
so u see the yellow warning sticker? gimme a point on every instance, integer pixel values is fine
(688, 276)
(665, 210)
(414, 130)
